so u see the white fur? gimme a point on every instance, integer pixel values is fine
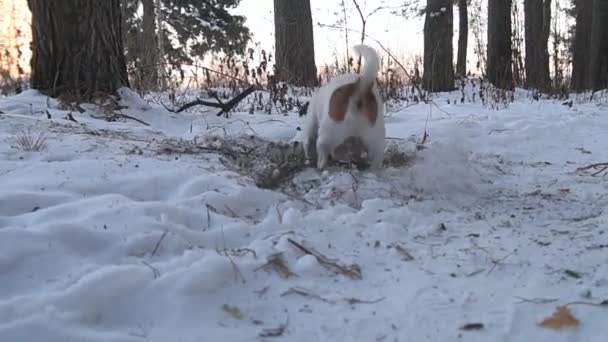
(325, 134)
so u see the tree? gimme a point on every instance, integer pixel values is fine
(582, 44)
(463, 37)
(590, 47)
(537, 29)
(499, 69)
(149, 42)
(438, 72)
(294, 43)
(77, 47)
(598, 54)
(179, 31)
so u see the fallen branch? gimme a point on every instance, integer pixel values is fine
(602, 166)
(225, 107)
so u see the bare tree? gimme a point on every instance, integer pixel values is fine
(149, 45)
(463, 37)
(77, 47)
(499, 69)
(438, 51)
(598, 54)
(582, 44)
(537, 27)
(294, 42)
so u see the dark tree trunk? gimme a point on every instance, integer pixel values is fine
(294, 43)
(598, 54)
(537, 28)
(438, 74)
(77, 47)
(582, 44)
(149, 44)
(500, 70)
(463, 38)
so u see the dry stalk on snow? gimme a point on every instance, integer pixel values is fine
(309, 294)
(275, 332)
(352, 271)
(25, 141)
(277, 263)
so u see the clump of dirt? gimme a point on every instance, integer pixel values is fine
(273, 164)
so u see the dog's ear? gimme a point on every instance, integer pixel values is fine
(338, 101)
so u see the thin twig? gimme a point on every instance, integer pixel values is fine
(351, 271)
(592, 166)
(155, 270)
(536, 300)
(157, 246)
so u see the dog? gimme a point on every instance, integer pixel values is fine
(349, 106)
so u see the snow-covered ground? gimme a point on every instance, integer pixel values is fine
(104, 238)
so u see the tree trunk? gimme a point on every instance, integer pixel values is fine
(537, 28)
(582, 44)
(149, 45)
(77, 47)
(438, 74)
(294, 43)
(598, 54)
(499, 70)
(463, 38)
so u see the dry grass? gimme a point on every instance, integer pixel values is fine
(26, 141)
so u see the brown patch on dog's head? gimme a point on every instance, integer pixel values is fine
(338, 102)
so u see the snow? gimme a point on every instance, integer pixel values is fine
(103, 239)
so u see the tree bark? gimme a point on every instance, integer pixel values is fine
(149, 45)
(537, 29)
(463, 38)
(582, 45)
(499, 69)
(294, 43)
(598, 55)
(77, 47)
(438, 74)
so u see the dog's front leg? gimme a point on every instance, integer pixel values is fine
(375, 146)
(325, 147)
(310, 145)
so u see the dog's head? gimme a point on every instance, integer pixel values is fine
(357, 98)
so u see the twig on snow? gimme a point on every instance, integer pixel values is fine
(352, 271)
(353, 301)
(157, 246)
(306, 293)
(155, 270)
(277, 263)
(536, 300)
(275, 332)
(602, 166)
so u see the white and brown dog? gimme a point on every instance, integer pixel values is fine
(348, 106)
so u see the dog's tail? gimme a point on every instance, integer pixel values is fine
(371, 64)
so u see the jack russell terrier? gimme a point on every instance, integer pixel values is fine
(347, 107)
